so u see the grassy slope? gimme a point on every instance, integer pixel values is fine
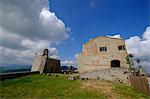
(41, 86)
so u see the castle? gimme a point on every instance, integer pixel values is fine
(102, 53)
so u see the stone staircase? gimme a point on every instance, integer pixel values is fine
(120, 75)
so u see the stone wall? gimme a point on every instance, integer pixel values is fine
(52, 66)
(39, 62)
(43, 64)
(91, 58)
(120, 75)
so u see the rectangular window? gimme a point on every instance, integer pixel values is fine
(121, 47)
(103, 48)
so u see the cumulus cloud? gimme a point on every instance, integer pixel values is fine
(32, 19)
(146, 35)
(70, 62)
(139, 47)
(28, 26)
(67, 63)
(13, 56)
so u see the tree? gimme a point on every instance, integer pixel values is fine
(131, 55)
(129, 61)
(140, 67)
(138, 60)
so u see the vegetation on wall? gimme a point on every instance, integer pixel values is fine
(129, 61)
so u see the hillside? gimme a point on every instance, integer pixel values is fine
(42, 86)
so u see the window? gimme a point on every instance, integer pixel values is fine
(121, 47)
(103, 49)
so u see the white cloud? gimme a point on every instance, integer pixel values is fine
(13, 56)
(115, 36)
(32, 19)
(76, 56)
(35, 45)
(54, 56)
(67, 63)
(28, 26)
(146, 35)
(54, 27)
(70, 62)
(139, 47)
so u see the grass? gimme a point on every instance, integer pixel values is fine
(42, 86)
(129, 92)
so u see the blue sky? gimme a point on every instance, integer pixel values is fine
(62, 26)
(91, 18)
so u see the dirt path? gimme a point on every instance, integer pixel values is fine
(103, 87)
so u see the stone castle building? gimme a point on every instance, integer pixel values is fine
(102, 53)
(44, 64)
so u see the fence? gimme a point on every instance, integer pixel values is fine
(140, 83)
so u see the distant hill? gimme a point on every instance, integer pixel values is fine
(65, 68)
(7, 68)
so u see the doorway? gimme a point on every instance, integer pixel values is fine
(115, 63)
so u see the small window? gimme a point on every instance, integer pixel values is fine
(103, 48)
(121, 47)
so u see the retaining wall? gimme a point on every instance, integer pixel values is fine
(113, 74)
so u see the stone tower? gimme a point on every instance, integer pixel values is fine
(44, 64)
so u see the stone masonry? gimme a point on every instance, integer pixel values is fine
(44, 64)
(102, 53)
(119, 75)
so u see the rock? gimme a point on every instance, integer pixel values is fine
(71, 78)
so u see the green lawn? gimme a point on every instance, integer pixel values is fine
(52, 87)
